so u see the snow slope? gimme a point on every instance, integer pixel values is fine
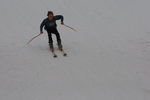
(108, 58)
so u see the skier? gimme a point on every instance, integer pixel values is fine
(50, 26)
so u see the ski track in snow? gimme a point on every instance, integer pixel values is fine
(108, 58)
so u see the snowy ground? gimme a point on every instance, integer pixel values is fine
(108, 58)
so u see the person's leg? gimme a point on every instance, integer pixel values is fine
(58, 38)
(50, 40)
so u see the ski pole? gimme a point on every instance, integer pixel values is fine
(33, 38)
(69, 27)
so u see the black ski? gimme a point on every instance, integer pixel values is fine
(55, 56)
(63, 53)
(53, 53)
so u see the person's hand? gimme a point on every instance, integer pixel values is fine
(41, 32)
(62, 23)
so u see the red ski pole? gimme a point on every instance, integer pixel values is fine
(69, 27)
(33, 38)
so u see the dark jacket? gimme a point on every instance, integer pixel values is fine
(50, 23)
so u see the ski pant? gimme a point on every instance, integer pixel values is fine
(51, 31)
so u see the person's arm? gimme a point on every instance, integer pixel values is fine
(42, 25)
(59, 17)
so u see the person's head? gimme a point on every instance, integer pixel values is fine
(50, 15)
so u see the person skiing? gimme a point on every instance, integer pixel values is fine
(50, 26)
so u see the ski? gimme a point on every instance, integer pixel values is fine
(53, 53)
(55, 56)
(63, 53)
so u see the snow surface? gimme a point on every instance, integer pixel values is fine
(108, 58)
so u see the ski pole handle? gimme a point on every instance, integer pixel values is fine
(33, 38)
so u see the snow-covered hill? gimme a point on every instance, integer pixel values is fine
(108, 58)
